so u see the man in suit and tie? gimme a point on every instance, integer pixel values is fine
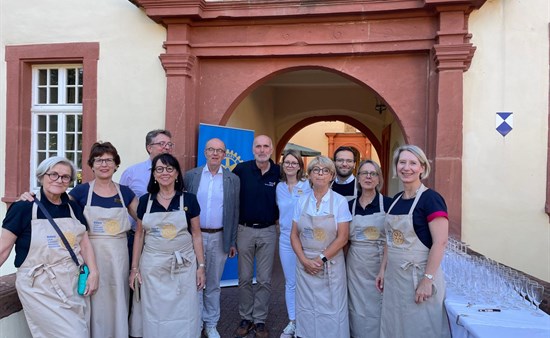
(217, 191)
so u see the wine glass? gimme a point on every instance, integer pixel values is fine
(536, 292)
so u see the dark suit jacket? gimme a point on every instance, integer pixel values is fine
(231, 189)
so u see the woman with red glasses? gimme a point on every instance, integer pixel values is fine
(168, 258)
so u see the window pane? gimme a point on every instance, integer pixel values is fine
(54, 77)
(79, 160)
(79, 121)
(41, 142)
(79, 140)
(71, 76)
(79, 95)
(70, 156)
(70, 95)
(42, 77)
(42, 123)
(53, 123)
(41, 156)
(69, 142)
(53, 95)
(42, 96)
(53, 142)
(80, 76)
(70, 123)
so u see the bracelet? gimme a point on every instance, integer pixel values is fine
(135, 269)
(202, 265)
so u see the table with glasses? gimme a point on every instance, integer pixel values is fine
(487, 299)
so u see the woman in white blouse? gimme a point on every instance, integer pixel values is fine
(320, 229)
(293, 185)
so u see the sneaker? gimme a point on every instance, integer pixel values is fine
(261, 331)
(289, 330)
(244, 328)
(211, 332)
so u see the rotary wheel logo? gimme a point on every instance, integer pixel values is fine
(231, 159)
(71, 238)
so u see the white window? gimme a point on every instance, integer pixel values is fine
(56, 115)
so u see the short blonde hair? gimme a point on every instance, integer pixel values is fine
(416, 151)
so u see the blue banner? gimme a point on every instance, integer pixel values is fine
(238, 143)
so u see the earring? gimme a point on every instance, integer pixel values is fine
(155, 181)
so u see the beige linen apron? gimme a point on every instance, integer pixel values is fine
(321, 299)
(168, 267)
(367, 237)
(109, 306)
(407, 259)
(46, 281)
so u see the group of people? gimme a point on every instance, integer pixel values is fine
(356, 263)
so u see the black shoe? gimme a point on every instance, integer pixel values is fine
(245, 327)
(261, 331)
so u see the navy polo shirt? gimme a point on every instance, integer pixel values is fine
(190, 206)
(257, 197)
(372, 208)
(430, 206)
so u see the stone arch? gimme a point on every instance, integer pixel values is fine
(283, 140)
(412, 53)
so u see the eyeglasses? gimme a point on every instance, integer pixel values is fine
(107, 161)
(341, 160)
(290, 164)
(368, 173)
(55, 176)
(160, 170)
(318, 170)
(214, 150)
(163, 144)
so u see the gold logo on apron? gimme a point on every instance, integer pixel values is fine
(319, 234)
(71, 238)
(371, 233)
(111, 226)
(398, 237)
(168, 231)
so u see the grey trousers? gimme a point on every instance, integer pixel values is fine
(209, 299)
(259, 244)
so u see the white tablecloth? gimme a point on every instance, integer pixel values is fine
(469, 322)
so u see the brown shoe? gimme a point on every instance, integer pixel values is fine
(244, 328)
(261, 331)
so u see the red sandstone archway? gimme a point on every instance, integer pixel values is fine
(412, 53)
(314, 119)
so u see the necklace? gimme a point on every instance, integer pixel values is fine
(413, 195)
(166, 198)
(365, 202)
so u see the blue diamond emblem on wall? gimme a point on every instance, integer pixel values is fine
(504, 122)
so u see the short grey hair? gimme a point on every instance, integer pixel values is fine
(416, 151)
(51, 162)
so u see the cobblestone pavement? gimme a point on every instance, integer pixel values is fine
(277, 318)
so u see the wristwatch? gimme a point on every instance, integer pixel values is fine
(430, 277)
(323, 258)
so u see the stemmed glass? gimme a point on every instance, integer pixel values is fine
(536, 292)
(524, 287)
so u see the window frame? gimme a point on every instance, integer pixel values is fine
(62, 109)
(19, 62)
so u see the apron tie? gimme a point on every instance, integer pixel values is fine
(405, 266)
(38, 270)
(178, 262)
